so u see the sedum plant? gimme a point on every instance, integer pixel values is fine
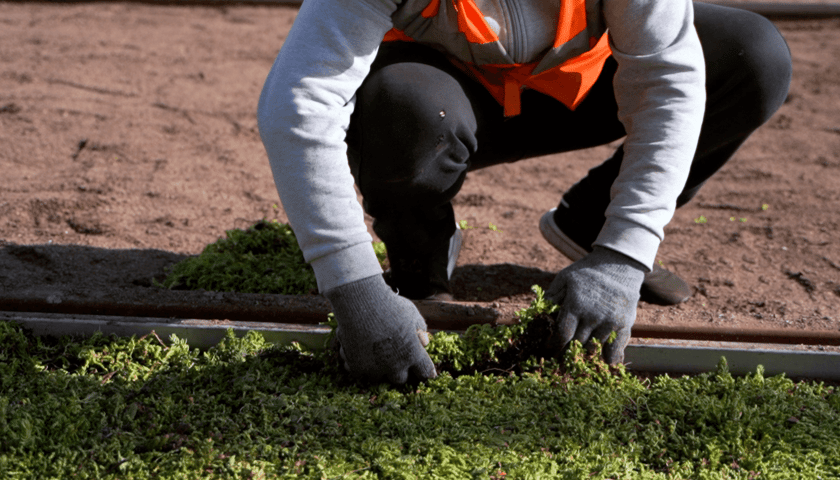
(264, 258)
(138, 408)
(501, 408)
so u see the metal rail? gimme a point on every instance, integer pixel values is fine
(693, 359)
(313, 309)
(202, 333)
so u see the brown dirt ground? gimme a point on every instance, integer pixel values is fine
(128, 140)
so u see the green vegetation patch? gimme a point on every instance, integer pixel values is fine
(111, 408)
(138, 408)
(264, 258)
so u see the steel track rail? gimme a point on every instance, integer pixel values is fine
(203, 333)
(314, 309)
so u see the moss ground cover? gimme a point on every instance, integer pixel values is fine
(264, 258)
(116, 408)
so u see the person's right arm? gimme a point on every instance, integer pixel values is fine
(303, 114)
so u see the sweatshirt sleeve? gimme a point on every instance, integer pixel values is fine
(660, 90)
(303, 115)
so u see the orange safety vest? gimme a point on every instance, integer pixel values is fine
(566, 72)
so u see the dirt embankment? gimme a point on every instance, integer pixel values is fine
(128, 139)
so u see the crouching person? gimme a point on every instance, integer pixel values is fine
(405, 97)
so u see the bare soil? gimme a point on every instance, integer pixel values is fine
(128, 140)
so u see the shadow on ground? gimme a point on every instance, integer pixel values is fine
(92, 280)
(487, 283)
(80, 268)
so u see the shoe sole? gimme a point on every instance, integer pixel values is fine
(455, 242)
(660, 287)
(559, 240)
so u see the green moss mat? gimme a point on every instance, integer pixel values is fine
(108, 408)
(264, 258)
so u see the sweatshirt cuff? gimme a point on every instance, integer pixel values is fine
(345, 266)
(631, 239)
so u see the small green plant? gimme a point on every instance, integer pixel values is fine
(502, 348)
(381, 252)
(700, 219)
(462, 224)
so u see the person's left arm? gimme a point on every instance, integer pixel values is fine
(661, 95)
(660, 90)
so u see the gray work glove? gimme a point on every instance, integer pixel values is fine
(597, 295)
(381, 334)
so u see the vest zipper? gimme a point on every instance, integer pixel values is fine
(518, 32)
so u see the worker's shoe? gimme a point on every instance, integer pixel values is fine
(424, 276)
(660, 286)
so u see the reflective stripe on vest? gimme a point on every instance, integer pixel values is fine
(566, 72)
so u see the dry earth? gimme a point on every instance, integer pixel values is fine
(128, 139)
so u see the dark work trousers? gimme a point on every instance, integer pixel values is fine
(420, 124)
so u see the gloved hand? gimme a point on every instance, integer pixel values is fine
(597, 295)
(381, 334)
